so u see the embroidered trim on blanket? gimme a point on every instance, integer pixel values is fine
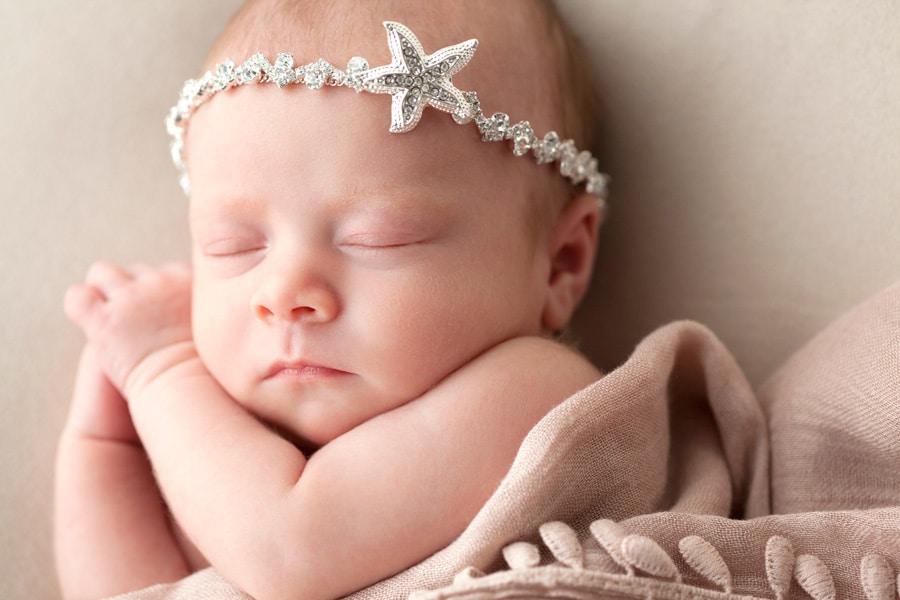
(649, 571)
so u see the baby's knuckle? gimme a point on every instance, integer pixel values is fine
(96, 269)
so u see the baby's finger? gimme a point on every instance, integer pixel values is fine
(80, 302)
(138, 270)
(98, 409)
(107, 277)
(178, 268)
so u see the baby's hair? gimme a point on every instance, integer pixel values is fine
(580, 105)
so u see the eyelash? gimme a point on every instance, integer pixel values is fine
(372, 242)
(232, 249)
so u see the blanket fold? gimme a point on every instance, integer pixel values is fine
(655, 482)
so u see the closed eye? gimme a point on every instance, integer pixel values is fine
(377, 241)
(229, 247)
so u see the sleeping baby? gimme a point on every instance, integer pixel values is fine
(368, 328)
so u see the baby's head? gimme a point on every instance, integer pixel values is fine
(341, 270)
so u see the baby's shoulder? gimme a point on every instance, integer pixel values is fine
(542, 362)
(546, 353)
(522, 372)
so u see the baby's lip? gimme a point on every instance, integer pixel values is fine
(301, 369)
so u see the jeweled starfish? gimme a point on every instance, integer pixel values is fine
(414, 79)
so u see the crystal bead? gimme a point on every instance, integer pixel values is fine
(585, 164)
(356, 68)
(468, 110)
(172, 122)
(523, 138)
(248, 73)
(414, 64)
(472, 98)
(185, 183)
(337, 77)
(253, 69)
(282, 72)
(597, 185)
(176, 148)
(317, 74)
(495, 128)
(548, 150)
(189, 95)
(224, 75)
(463, 114)
(206, 88)
(185, 94)
(567, 156)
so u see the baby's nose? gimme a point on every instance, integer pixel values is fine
(297, 298)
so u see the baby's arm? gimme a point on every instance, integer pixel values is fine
(112, 530)
(372, 502)
(375, 501)
(111, 533)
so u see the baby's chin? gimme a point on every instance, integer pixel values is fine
(307, 434)
(305, 446)
(313, 409)
(307, 424)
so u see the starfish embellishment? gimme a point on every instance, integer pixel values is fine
(415, 79)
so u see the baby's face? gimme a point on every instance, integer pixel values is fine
(342, 271)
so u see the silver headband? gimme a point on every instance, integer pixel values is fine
(414, 79)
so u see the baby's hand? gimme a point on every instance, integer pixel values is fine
(98, 410)
(138, 319)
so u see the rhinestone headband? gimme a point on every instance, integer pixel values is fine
(414, 80)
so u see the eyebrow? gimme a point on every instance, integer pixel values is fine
(223, 204)
(390, 198)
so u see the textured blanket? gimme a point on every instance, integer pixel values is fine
(671, 478)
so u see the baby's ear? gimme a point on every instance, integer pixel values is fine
(573, 242)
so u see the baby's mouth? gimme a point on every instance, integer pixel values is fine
(301, 370)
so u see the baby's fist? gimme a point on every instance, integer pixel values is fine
(132, 314)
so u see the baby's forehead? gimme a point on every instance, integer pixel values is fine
(259, 141)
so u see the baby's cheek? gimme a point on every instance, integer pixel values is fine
(220, 356)
(210, 332)
(222, 338)
(435, 341)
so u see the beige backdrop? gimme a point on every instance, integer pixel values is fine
(754, 148)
